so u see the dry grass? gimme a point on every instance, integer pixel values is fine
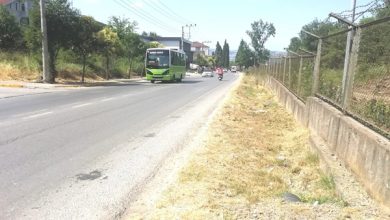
(10, 72)
(255, 152)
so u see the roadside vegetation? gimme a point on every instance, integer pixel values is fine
(255, 160)
(79, 46)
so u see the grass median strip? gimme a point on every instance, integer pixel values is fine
(256, 155)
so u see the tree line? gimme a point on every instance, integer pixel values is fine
(374, 40)
(247, 55)
(259, 34)
(220, 57)
(71, 32)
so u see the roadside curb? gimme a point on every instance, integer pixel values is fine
(32, 85)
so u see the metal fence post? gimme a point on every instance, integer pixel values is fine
(284, 69)
(316, 72)
(300, 75)
(289, 72)
(280, 68)
(352, 66)
(274, 67)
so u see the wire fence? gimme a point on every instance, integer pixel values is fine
(332, 67)
(356, 80)
(371, 88)
(295, 72)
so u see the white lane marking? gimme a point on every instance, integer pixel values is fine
(127, 95)
(82, 105)
(106, 99)
(38, 115)
(29, 113)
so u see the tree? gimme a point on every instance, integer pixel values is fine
(201, 60)
(108, 42)
(85, 42)
(152, 35)
(319, 28)
(10, 33)
(244, 55)
(62, 27)
(295, 44)
(225, 55)
(132, 46)
(374, 48)
(260, 33)
(218, 55)
(155, 44)
(211, 61)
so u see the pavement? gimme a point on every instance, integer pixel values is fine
(20, 88)
(85, 153)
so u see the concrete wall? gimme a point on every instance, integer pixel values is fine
(293, 105)
(366, 153)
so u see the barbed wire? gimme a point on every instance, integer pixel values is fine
(358, 7)
(367, 8)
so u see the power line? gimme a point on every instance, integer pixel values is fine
(163, 12)
(147, 15)
(173, 12)
(144, 17)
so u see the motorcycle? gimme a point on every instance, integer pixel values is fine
(220, 74)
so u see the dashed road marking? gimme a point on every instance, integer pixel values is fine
(29, 113)
(107, 99)
(82, 105)
(38, 115)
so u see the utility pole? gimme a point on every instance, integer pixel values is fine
(46, 75)
(189, 29)
(182, 37)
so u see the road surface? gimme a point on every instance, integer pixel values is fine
(85, 153)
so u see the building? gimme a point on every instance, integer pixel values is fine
(173, 42)
(19, 8)
(200, 48)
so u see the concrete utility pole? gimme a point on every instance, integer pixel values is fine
(182, 37)
(46, 75)
(189, 29)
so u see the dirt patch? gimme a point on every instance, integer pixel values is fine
(255, 155)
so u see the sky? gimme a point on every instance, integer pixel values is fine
(217, 20)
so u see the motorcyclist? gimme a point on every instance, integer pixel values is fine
(219, 71)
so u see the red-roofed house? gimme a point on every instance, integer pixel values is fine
(19, 8)
(198, 47)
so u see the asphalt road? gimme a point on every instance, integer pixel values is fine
(85, 153)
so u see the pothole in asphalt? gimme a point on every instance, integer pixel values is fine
(89, 176)
(150, 135)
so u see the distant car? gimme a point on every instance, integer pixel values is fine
(207, 73)
(233, 69)
(225, 70)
